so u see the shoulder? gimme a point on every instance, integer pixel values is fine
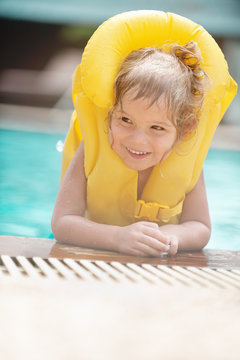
(76, 167)
(79, 155)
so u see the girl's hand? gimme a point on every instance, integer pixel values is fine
(145, 239)
(173, 244)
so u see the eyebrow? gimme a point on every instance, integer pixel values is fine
(156, 122)
(122, 111)
(163, 122)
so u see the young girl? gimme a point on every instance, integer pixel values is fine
(136, 198)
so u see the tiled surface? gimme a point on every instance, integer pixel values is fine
(105, 320)
(114, 272)
(87, 304)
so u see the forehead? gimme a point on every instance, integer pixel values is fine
(129, 102)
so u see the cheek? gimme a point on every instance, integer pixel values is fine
(118, 134)
(164, 143)
(115, 138)
(174, 139)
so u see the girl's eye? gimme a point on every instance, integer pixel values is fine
(156, 127)
(126, 120)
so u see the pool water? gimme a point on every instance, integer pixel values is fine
(29, 180)
(222, 178)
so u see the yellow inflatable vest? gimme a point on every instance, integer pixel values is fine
(111, 186)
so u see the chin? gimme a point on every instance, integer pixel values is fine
(136, 167)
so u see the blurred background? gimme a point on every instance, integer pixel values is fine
(41, 44)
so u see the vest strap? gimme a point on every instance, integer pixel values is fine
(156, 212)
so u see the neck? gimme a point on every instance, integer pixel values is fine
(143, 176)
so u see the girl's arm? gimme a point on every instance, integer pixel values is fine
(194, 230)
(69, 224)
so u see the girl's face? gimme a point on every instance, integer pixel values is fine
(142, 136)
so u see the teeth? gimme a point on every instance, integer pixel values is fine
(137, 152)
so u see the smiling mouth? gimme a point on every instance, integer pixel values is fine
(137, 154)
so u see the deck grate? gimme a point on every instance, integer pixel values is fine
(116, 272)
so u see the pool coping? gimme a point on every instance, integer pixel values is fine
(50, 248)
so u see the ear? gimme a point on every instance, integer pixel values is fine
(189, 126)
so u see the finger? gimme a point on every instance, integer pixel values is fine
(173, 247)
(148, 251)
(132, 251)
(154, 243)
(136, 252)
(157, 234)
(149, 224)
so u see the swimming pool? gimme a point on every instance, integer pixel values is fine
(29, 179)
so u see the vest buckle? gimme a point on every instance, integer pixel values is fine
(156, 212)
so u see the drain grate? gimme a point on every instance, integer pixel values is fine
(86, 270)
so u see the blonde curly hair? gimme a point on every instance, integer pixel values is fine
(173, 71)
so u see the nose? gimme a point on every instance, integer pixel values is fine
(139, 137)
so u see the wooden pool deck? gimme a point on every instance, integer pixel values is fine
(47, 258)
(50, 248)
